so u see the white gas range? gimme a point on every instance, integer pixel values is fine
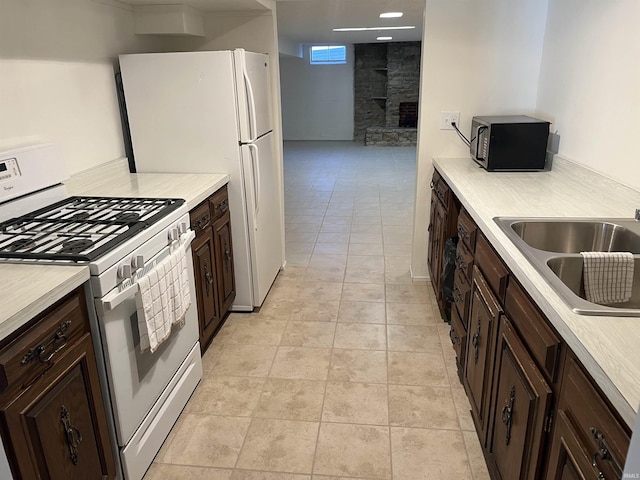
(119, 239)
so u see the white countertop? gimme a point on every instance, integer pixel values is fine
(114, 180)
(29, 289)
(608, 347)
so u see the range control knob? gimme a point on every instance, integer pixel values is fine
(125, 271)
(137, 261)
(182, 228)
(173, 235)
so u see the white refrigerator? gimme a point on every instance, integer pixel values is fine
(211, 112)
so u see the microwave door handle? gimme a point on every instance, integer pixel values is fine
(479, 130)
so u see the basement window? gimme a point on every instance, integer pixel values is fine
(328, 55)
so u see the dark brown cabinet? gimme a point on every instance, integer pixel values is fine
(520, 411)
(435, 241)
(223, 256)
(467, 230)
(589, 442)
(568, 460)
(213, 263)
(53, 418)
(481, 336)
(537, 413)
(206, 285)
(443, 220)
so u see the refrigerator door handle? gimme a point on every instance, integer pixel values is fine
(255, 167)
(253, 124)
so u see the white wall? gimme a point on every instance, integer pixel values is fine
(57, 76)
(590, 84)
(479, 57)
(317, 100)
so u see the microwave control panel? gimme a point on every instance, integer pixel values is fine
(485, 146)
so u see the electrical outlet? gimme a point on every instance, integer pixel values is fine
(447, 117)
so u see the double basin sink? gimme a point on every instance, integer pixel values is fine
(553, 246)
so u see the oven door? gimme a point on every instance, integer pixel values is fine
(136, 380)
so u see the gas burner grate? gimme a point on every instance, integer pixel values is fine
(80, 229)
(76, 246)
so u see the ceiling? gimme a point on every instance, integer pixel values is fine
(207, 5)
(312, 21)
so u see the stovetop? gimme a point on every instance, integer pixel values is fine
(80, 229)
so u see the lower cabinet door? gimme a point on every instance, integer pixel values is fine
(432, 234)
(521, 404)
(458, 336)
(481, 335)
(224, 262)
(206, 286)
(567, 458)
(437, 246)
(57, 425)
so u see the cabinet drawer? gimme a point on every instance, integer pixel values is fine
(495, 272)
(200, 218)
(442, 191)
(467, 230)
(462, 296)
(464, 260)
(541, 340)
(604, 438)
(35, 350)
(219, 203)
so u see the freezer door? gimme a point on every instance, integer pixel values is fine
(264, 214)
(253, 77)
(182, 111)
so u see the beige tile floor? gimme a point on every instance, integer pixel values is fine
(347, 371)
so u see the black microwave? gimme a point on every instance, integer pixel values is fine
(508, 143)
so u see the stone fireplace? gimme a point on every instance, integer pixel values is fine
(386, 86)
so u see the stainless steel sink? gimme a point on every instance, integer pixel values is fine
(577, 236)
(553, 246)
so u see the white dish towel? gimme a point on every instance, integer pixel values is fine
(163, 298)
(608, 276)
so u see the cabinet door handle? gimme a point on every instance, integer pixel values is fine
(507, 413)
(462, 232)
(431, 185)
(39, 351)
(604, 452)
(227, 254)
(201, 222)
(72, 435)
(223, 206)
(457, 294)
(475, 341)
(208, 278)
(462, 265)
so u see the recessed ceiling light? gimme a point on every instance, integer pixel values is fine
(391, 15)
(384, 38)
(365, 29)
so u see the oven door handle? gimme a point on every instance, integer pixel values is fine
(112, 300)
(115, 298)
